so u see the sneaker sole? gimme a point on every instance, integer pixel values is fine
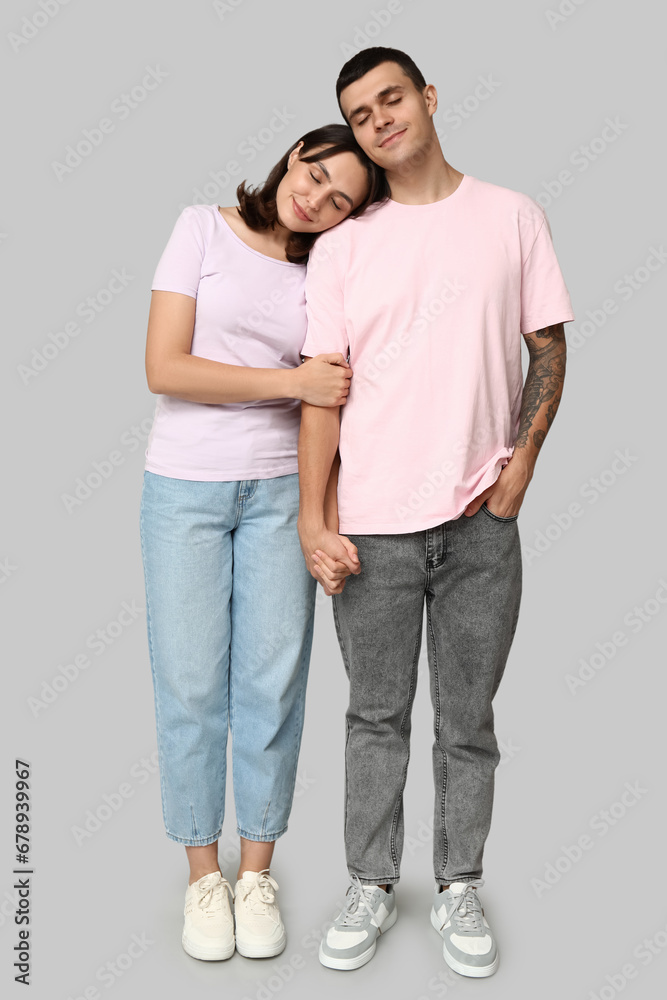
(473, 971)
(253, 949)
(214, 954)
(347, 964)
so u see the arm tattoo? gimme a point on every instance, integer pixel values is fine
(544, 383)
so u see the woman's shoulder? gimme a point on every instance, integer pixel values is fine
(201, 213)
(197, 219)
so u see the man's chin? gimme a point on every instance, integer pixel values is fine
(403, 165)
(386, 159)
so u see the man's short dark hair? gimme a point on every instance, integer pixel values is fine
(366, 60)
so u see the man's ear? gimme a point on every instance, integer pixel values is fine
(431, 98)
(294, 154)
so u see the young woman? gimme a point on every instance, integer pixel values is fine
(229, 600)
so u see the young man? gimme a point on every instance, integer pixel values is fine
(429, 294)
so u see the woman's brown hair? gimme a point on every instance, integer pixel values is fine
(257, 206)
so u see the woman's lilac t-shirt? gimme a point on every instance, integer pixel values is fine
(250, 311)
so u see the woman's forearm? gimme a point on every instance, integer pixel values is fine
(202, 380)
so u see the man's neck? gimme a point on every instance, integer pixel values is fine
(433, 180)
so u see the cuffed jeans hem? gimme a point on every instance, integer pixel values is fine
(195, 841)
(380, 880)
(264, 838)
(455, 878)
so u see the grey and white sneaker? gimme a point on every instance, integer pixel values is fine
(469, 947)
(208, 928)
(351, 942)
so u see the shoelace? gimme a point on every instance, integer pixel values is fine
(210, 892)
(466, 910)
(262, 888)
(356, 900)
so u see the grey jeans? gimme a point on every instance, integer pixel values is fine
(469, 571)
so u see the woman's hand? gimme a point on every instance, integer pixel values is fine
(333, 572)
(323, 380)
(330, 557)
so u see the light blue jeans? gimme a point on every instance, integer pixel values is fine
(230, 609)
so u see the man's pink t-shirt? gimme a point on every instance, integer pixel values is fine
(250, 311)
(431, 301)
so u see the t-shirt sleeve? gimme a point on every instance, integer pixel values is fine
(326, 330)
(180, 266)
(545, 299)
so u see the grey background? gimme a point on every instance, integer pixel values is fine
(567, 755)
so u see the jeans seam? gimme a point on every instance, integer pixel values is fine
(261, 838)
(230, 680)
(346, 664)
(151, 655)
(200, 842)
(456, 878)
(378, 880)
(346, 661)
(346, 810)
(301, 705)
(239, 506)
(438, 716)
(406, 715)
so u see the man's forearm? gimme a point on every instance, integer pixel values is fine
(331, 496)
(318, 444)
(542, 391)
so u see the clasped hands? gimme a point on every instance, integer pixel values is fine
(330, 557)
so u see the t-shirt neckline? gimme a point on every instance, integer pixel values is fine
(463, 183)
(258, 253)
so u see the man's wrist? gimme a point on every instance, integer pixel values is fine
(331, 524)
(310, 520)
(522, 463)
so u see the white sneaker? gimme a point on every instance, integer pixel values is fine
(260, 932)
(208, 930)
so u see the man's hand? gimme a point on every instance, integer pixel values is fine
(333, 572)
(508, 491)
(330, 558)
(539, 402)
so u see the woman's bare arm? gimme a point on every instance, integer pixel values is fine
(171, 368)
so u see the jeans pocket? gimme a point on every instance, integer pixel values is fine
(506, 520)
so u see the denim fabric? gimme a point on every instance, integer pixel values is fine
(469, 573)
(230, 608)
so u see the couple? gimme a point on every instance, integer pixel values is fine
(413, 462)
